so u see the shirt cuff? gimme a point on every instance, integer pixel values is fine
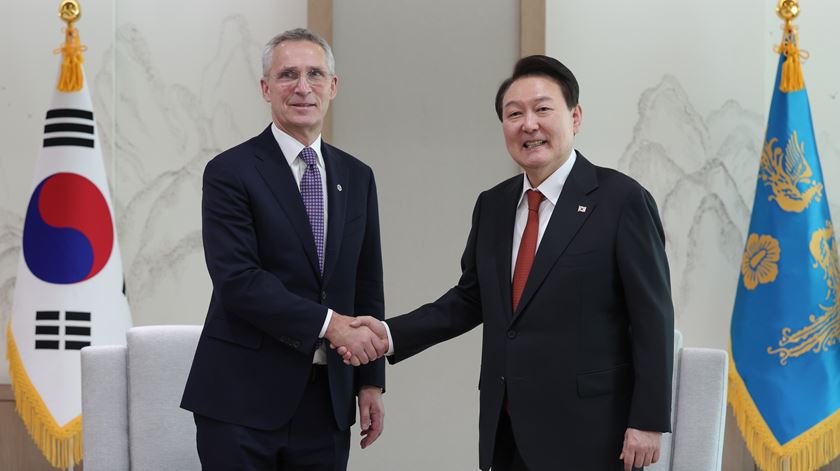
(390, 340)
(327, 323)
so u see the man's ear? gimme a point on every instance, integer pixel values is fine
(266, 92)
(333, 86)
(577, 118)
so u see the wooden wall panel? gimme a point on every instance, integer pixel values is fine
(320, 21)
(531, 27)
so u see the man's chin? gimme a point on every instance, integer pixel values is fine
(311, 122)
(533, 159)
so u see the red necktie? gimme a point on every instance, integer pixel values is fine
(528, 246)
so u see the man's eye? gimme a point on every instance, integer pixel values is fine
(543, 109)
(514, 114)
(316, 73)
(288, 74)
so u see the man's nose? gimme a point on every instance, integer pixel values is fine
(530, 123)
(302, 86)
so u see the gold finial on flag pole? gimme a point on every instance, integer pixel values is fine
(791, 79)
(71, 78)
(787, 10)
(69, 11)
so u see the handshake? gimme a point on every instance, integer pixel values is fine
(359, 340)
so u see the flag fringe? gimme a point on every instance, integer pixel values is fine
(61, 446)
(72, 77)
(815, 448)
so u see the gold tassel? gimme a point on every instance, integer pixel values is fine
(61, 446)
(791, 80)
(813, 449)
(72, 77)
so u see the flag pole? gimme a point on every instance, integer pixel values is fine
(71, 78)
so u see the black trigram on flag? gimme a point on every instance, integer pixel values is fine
(68, 127)
(49, 334)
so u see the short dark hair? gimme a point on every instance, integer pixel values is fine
(542, 66)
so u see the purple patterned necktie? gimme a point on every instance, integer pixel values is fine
(313, 200)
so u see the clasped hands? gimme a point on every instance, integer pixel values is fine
(359, 340)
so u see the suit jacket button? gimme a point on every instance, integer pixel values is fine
(323, 295)
(502, 379)
(511, 334)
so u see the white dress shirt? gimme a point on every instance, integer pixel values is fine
(550, 188)
(291, 148)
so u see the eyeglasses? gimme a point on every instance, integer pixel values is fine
(314, 77)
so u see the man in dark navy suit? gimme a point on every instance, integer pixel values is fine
(291, 238)
(565, 268)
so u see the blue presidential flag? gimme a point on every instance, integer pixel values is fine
(785, 371)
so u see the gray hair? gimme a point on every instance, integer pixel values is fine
(297, 34)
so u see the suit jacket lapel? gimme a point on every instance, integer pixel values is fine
(274, 169)
(337, 186)
(504, 229)
(566, 219)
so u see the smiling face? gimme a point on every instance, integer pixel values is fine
(299, 88)
(539, 127)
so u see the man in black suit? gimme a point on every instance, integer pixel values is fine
(291, 238)
(565, 267)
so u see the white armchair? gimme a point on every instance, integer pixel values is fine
(132, 420)
(130, 401)
(699, 410)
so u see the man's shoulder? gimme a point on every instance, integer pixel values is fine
(345, 157)
(232, 157)
(615, 181)
(503, 187)
(610, 177)
(621, 190)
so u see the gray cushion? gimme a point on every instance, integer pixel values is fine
(162, 434)
(701, 409)
(105, 408)
(698, 414)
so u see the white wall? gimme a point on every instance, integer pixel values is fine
(677, 94)
(415, 101)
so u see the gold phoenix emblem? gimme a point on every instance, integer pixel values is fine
(760, 264)
(823, 331)
(789, 175)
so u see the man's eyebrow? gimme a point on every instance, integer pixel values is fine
(539, 99)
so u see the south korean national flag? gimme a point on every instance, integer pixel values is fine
(69, 292)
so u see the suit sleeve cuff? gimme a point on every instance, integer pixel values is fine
(327, 323)
(390, 340)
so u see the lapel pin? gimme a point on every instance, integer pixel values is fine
(581, 209)
(338, 187)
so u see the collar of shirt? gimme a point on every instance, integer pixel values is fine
(291, 147)
(553, 185)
